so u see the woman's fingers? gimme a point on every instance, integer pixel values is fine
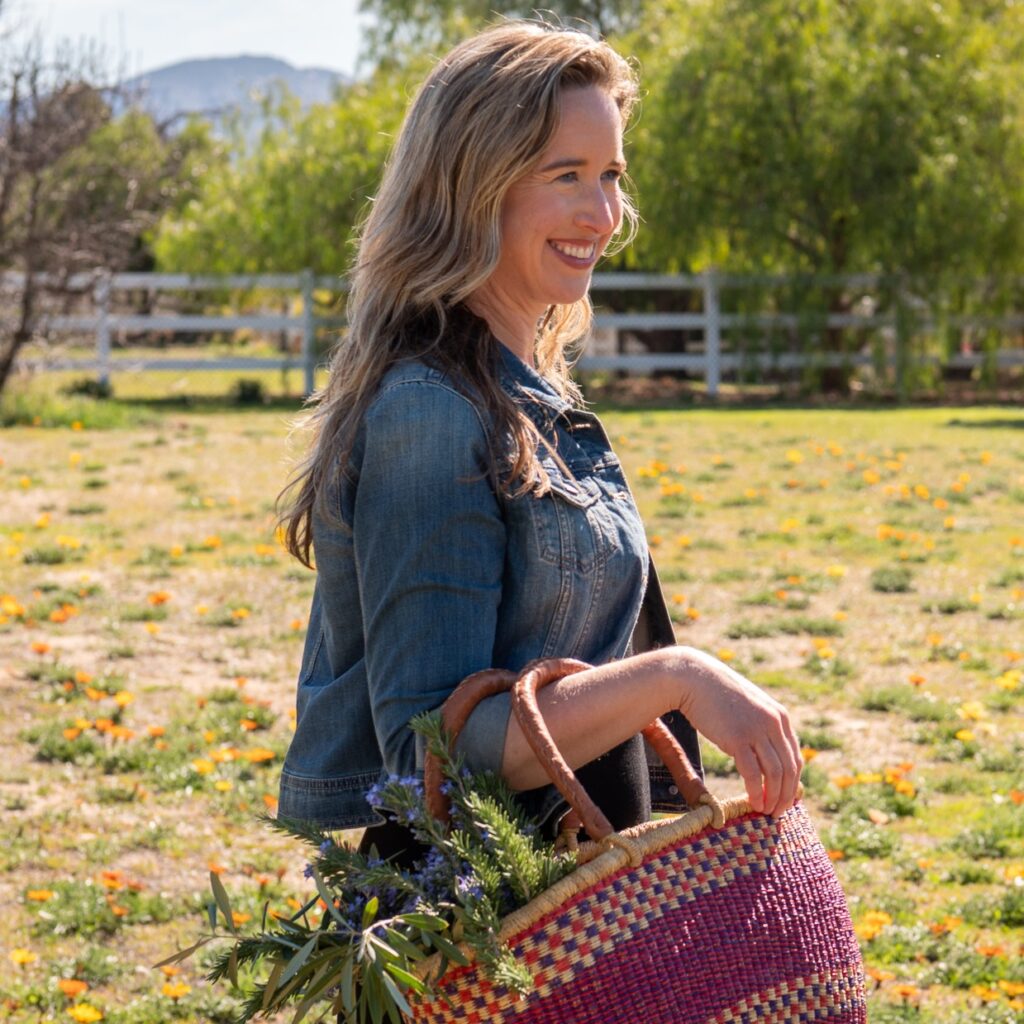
(749, 767)
(749, 725)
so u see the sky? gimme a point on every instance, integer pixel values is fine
(141, 35)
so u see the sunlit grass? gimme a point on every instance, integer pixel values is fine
(866, 567)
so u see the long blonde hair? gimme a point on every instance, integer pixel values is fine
(479, 122)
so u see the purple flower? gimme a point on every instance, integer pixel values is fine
(467, 887)
(325, 846)
(308, 870)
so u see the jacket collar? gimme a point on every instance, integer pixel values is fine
(536, 396)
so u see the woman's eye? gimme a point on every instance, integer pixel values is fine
(568, 176)
(613, 174)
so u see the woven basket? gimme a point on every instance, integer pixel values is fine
(720, 916)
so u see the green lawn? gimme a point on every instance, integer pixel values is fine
(865, 566)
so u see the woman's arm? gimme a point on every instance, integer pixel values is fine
(590, 712)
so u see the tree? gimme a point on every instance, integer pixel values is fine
(829, 136)
(403, 26)
(291, 198)
(78, 188)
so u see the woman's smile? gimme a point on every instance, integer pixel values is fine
(556, 220)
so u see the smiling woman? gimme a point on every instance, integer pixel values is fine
(462, 509)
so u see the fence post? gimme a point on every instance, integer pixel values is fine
(712, 334)
(101, 299)
(308, 335)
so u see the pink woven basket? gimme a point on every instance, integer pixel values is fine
(720, 916)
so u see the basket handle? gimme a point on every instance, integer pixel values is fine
(524, 705)
(474, 688)
(455, 712)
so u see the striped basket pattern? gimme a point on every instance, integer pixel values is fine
(740, 924)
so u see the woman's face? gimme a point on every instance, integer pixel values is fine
(557, 220)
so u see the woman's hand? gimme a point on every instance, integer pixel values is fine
(745, 722)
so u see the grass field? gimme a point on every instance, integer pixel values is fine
(865, 566)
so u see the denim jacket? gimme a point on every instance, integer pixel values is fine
(429, 575)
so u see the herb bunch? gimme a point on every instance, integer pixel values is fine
(363, 958)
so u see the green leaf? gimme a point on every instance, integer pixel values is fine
(182, 954)
(211, 915)
(347, 995)
(271, 985)
(233, 966)
(296, 963)
(449, 950)
(370, 912)
(399, 1002)
(426, 922)
(410, 981)
(220, 894)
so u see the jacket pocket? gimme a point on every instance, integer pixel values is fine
(571, 526)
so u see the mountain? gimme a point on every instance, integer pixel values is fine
(212, 86)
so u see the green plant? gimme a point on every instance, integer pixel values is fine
(380, 922)
(892, 580)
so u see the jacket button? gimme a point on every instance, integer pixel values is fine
(674, 790)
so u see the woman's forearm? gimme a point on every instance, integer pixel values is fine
(592, 711)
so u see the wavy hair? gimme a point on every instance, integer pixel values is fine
(480, 121)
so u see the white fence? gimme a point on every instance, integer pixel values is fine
(704, 356)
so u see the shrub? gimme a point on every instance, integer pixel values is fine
(892, 580)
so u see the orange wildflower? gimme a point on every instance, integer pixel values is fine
(72, 987)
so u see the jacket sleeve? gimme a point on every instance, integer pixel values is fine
(429, 542)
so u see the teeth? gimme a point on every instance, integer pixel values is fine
(580, 252)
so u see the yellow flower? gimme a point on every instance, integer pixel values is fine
(971, 711)
(725, 654)
(203, 766)
(22, 956)
(223, 785)
(837, 571)
(85, 1014)
(794, 456)
(258, 754)
(39, 895)
(175, 989)
(123, 698)
(211, 542)
(869, 476)
(964, 735)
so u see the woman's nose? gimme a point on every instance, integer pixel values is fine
(599, 210)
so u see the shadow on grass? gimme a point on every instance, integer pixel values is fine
(211, 403)
(989, 424)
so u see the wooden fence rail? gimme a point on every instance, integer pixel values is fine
(710, 360)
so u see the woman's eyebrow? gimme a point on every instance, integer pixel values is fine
(569, 162)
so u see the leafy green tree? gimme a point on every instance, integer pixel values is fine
(403, 26)
(290, 198)
(829, 136)
(78, 187)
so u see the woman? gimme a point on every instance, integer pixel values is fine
(463, 511)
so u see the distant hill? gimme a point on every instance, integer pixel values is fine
(214, 85)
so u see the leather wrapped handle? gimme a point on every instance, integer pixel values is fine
(455, 712)
(535, 676)
(524, 705)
